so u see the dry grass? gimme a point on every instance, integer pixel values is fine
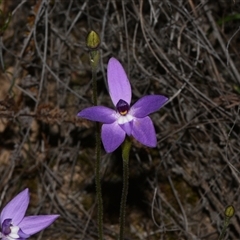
(185, 49)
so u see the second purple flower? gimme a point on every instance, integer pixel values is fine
(133, 121)
(14, 223)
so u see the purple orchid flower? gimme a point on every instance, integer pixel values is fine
(133, 121)
(13, 223)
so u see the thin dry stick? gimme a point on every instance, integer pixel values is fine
(229, 41)
(218, 36)
(126, 34)
(43, 72)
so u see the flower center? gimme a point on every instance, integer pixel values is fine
(10, 232)
(6, 226)
(122, 107)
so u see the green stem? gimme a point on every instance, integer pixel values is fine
(229, 212)
(98, 182)
(94, 58)
(226, 223)
(125, 155)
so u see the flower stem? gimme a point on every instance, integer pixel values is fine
(94, 58)
(93, 42)
(98, 161)
(125, 156)
(229, 212)
(98, 183)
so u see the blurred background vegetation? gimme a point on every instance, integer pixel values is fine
(186, 49)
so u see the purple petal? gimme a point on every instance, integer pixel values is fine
(98, 114)
(112, 136)
(118, 83)
(16, 208)
(127, 127)
(33, 224)
(22, 235)
(147, 104)
(143, 131)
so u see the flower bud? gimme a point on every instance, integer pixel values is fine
(229, 211)
(93, 40)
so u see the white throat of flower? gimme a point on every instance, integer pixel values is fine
(12, 235)
(124, 119)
